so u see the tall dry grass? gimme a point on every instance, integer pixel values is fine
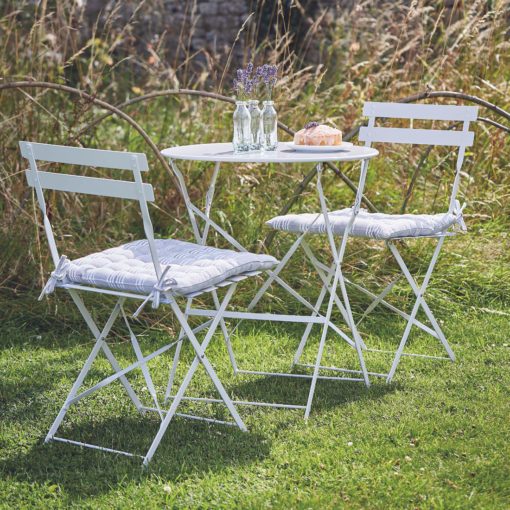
(331, 61)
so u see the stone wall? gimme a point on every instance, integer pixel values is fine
(207, 29)
(189, 26)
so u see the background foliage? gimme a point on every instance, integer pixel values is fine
(372, 51)
(439, 440)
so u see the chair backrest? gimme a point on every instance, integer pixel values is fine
(133, 190)
(450, 137)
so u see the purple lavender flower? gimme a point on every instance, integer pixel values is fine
(245, 85)
(248, 87)
(267, 74)
(247, 81)
(266, 69)
(312, 124)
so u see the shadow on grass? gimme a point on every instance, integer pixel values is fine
(295, 390)
(328, 393)
(188, 448)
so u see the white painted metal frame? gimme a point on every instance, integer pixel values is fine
(460, 139)
(335, 279)
(143, 193)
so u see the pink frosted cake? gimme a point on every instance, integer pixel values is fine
(318, 134)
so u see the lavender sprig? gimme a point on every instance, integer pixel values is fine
(267, 74)
(311, 124)
(244, 84)
(248, 81)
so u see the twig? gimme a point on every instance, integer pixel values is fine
(429, 94)
(102, 104)
(494, 123)
(408, 99)
(219, 97)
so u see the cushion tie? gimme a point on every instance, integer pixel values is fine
(458, 213)
(162, 285)
(56, 276)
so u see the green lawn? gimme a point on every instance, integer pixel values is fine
(437, 437)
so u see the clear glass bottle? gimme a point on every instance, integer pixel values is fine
(269, 127)
(256, 124)
(242, 140)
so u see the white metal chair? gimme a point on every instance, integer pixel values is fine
(390, 227)
(160, 271)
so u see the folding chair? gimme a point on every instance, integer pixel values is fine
(158, 271)
(391, 227)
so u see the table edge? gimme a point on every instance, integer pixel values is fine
(246, 159)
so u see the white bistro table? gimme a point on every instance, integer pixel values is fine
(331, 276)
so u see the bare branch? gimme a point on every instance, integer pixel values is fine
(409, 99)
(117, 110)
(429, 94)
(102, 104)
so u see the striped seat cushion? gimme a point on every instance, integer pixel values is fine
(192, 267)
(367, 224)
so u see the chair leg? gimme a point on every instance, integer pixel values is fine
(337, 280)
(358, 342)
(226, 335)
(200, 349)
(419, 301)
(199, 358)
(379, 298)
(100, 339)
(143, 365)
(326, 280)
(106, 349)
(326, 273)
(177, 355)
(424, 305)
(181, 337)
(387, 305)
(173, 370)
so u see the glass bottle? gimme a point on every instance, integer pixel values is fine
(269, 127)
(242, 139)
(256, 121)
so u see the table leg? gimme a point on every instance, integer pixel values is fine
(335, 276)
(338, 255)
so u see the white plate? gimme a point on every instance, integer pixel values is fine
(345, 146)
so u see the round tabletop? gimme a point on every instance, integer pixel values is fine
(223, 152)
